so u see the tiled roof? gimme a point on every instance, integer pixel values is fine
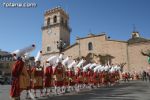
(137, 40)
(70, 46)
(91, 36)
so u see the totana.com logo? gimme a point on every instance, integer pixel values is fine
(19, 5)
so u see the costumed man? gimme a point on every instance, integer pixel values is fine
(90, 74)
(85, 74)
(65, 63)
(117, 74)
(106, 75)
(28, 79)
(37, 74)
(123, 76)
(100, 75)
(71, 76)
(48, 72)
(78, 73)
(58, 75)
(96, 76)
(19, 73)
(126, 77)
(103, 75)
(112, 75)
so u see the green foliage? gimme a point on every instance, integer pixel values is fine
(149, 60)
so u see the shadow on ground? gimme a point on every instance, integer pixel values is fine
(119, 92)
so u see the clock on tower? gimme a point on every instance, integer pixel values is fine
(49, 31)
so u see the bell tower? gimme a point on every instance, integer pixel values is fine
(56, 28)
(135, 34)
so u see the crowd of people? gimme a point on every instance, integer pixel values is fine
(144, 76)
(62, 74)
(126, 76)
(59, 73)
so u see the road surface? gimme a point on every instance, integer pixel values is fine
(134, 90)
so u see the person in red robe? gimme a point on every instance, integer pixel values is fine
(58, 75)
(90, 77)
(37, 74)
(15, 85)
(48, 72)
(66, 80)
(19, 73)
(95, 78)
(71, 79)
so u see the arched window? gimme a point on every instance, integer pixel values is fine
(55, 19)
(48, 48)
(48, 21)
(90, 46)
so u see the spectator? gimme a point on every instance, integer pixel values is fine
(144, 76)
(148, 76)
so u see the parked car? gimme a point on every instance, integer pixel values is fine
(8, 81)
(5, 80)
(2, 80)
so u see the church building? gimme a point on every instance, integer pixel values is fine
(94, 48)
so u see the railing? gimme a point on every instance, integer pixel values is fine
(56, 24)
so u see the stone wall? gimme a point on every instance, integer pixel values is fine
(138, 62)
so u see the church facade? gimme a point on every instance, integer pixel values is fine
(94, 48)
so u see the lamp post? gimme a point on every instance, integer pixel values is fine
(61, 45)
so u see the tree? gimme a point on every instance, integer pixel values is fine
(121, 66)
(146, 53)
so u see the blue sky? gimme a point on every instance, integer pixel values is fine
(20, 27)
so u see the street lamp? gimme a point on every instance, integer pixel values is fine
(61, 45)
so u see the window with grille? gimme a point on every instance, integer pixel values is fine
(55, 19)
(90, 46)
(48, 21)
(48, 48)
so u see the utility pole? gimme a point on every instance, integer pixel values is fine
(79, 50)
(79, 46)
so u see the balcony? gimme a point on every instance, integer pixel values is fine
(57, 24)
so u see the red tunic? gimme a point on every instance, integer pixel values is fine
(79, 78)
(90, 76)
(29, 70)
(117, 76)
(16, 72)
(37, 77)
(71, 75)
(103, 77)
(66, 79)
(85, 77)
(95, 80)
(58, 75)
(106, 78)
(48, 76)
(78, 71)
(112, 77)
(100, 77)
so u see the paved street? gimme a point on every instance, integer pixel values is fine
(134, 90)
